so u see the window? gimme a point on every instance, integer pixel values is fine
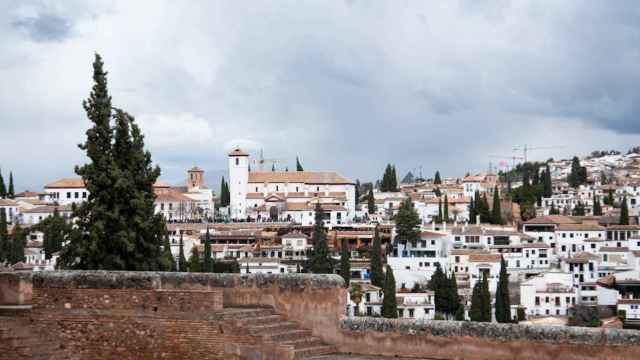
(237, 161)
(411, 313)
(537, 300)
(76, 195)
(84, 194)
(68, 195)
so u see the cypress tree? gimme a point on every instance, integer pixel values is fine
(5, 246)
(11, 192)
(357, 191)
(377, 275)
(553, 210)
(19, 241)
(54, 229)
(223, 192)
(439, 218)
(486, 300)
(475, 312)
(597, 208)
(389, 305)
(345, 263)
(503, 303)
(610, 201)
(579, 210)
(208, 261)
(394, 179)
(436, 179)
(445, 212)
(455, 299)
(407, 223)
(320, 261)
(547, 184)
(496, 211)
(371, 201)
(436, 284)
(624, 212)
(298, 165)
(195, 265)
(166, 250)
(273, 167)
(183, 266)
(472, 211)
(3, 189)
(578, 174)
(116, 228)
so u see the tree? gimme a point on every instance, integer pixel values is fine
(298, 165)
(407, 223)
(273, 167)
(371, 201)
(225, 196)
(345, 262)
(116, 228)
(389, 181)
(496, 211)
(436, 179)
(597, 208)
(473, 213)
(609, 199)
(55, 230)
(436, 284)
(547, 184)
(3, 189)
(579, 209)
(553, 210)
(439, 217)
(480, 302)
(195, 265)
(5, 245)
(456, 306)
(207, 263)
(389, 305)
(445, 211)
(377, 275)
(578, 174)
(503, 303)
(320, 261)
(166, 250)
(18, 242)
(624, 212)
(182, 261)
(357, 191)
(11, 192)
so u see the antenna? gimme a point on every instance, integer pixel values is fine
(526, 148)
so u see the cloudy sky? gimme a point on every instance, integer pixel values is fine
(346, 85)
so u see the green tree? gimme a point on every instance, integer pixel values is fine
(496, 211)
(436, 179)
(195, 264)
(345, 262)
(298, 165)
(439, 217)
(503, 303)
(579, 209)
(11, 192)
(207, 263)
(320, 261)
(371, 201)
(54, 230)
(454, 298)
(547, 184)
(624, 212)
(116, 228)
(553, 210)
(183, 265)
(578, 174)
(436, 284)
(473, 212)
(225, 196)
(407, 223)
(480, 302)
(445, 211)
(597, 208)
(5, 245)
(377, 275)
(3, 188)
(389, 179)
(18, 242)
(166, 250)
(389, 305)
(357, 191)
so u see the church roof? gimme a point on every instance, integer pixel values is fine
(238, 152)
(306, 177)
(66, 183)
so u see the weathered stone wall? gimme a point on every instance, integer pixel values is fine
(471, 340)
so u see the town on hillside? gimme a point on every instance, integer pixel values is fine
(554, 242)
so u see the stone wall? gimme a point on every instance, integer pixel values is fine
(471, 340)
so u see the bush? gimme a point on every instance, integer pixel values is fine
(438, 316)
(622, 315)
(521, 315)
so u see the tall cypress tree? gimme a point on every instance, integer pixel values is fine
(208, 261)
(320, 261)
(3, 189)
(377, 275)
(407, 223)
(455, 304)
(436, 284)
(183, 265)
(18, 242)
(547, 184)
(371, 201)
(496, 211)
(597, 208)
(116, 228)
(195, 264)
(624, 212)
(5, 245)
(54, 229)
(166, 250)
(486, 300)
(394, 179)
(223, 191)
(503, 303)
(480, 302)
(389, 304)
(445, 211)
(357, 191)
(436, 179)
(472, 211)
(439, 218)
(298, 165)
(345, 262)
(11, 192)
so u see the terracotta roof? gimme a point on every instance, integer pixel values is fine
(623, 227)
(294, 235)
(613, 249)
(307, 177)
(431, 234)
(582, 257)
(580, 227)
(28, 194)
(484, 258)
(536, 245)
(7, 202)
(551, 219)
(66, 183)
(47, 209)
(636, 253)
(238, 152)
(629, 301)
(172, 196)
(160, 184)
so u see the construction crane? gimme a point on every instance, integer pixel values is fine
(513, 158)
(261, 161)
(526, 148)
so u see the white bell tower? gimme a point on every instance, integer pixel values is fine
(238, 183)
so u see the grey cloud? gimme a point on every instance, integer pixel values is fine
(45, 27)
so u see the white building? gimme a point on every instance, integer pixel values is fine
(288, 195)
(67, 191)
(10, 208)
(548, 294)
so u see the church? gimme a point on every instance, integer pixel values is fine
(289, 196)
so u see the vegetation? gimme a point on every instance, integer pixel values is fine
(624, 212)
(116, 228)
(298, 165)
(503, 303)
(389, 305)
(320, 261)
(496, 211)
(371, 202)
(345, 262)
(389, 181)
(578, 174)
(481, 302)
(377, 275)
(436, 179)
(207, 262)
(225, 195)
(447, 300)
(407, 223)
(54, 229)
(597, 207)
(183, 265)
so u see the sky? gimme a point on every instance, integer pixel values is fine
(345, 85)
